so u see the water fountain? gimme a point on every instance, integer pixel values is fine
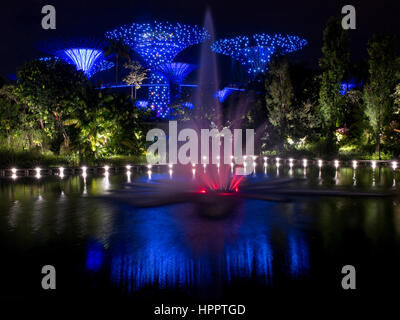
(215, 190)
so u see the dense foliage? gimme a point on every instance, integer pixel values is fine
(378, 92)
(341, 109)
(320, 114)
(54, 109)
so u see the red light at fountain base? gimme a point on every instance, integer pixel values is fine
(216, 203)
(221, 192)
(218, 180)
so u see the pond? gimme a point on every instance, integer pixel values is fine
(263, 249)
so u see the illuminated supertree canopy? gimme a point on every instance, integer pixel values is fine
(158, 43)
(175, 72)
(224, 93)
(85, 54)
(255, 52)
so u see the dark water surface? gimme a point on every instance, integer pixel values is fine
(263, 252)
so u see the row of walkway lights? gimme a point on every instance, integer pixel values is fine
(84, 169)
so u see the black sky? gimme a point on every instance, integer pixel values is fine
(20, 21)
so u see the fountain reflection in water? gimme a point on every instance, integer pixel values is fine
(262, 243)
(298, 254)
(174, 248)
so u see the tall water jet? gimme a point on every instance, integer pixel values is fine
(208, 78)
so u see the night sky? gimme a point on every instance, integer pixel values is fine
(20, 21)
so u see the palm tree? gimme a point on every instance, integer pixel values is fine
(117, 48)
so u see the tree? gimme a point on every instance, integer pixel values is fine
(135, 77)
(9, 112)
(118, 49)
(108, 126)
(53, 91)
(306, 86)
(334, 63)
(378, 92)
(56, 108)
(279, 96)
(18, 124)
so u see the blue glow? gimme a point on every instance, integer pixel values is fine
(176, 72)
(83, 59)
(85, 54)
(94, 256)
(158, 43)
(48, 59)
(346, 86)
(161, 259)
(163, 262)
(142, 104)
(249, 258)
(100, 66)
(169, 250)
(90, 61)
(224, 93)
(172, 247)
(255, 52)
(298, 255)
(159, 97)
(188, 105)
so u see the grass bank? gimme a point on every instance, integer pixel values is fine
(30, 159)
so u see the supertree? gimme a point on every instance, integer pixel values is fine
(175, 73)
(255, 52)
(158, 43)
(85, 54)
(224, 93)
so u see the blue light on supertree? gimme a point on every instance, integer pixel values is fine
(175, 73)
(159, 95)
(101, 66)
(224, 93)
(85, 54)
(255, 52)
(48, 59)
(142, 104)
(187, 105)
(158, 43)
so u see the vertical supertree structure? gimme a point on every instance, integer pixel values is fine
(85, 54)
(175, 73)
(158, 43)
(255, 52)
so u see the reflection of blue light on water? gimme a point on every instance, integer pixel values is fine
(298, 255)
(152, 267)
(152, 254)
(248, 259)
(156, 254)
(170, 247)
(94, 256)
(173, 269)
